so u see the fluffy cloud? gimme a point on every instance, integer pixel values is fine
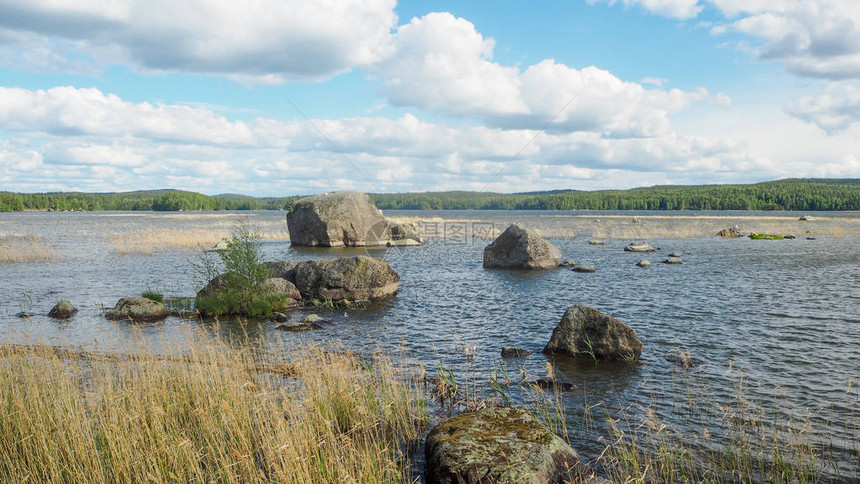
(441, 62)
(259, 40)
(682, 9)
(834, 110)
(817, 38)
(66, 138)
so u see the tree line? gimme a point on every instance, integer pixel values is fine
(791, 194)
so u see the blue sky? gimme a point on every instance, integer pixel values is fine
(201, 95)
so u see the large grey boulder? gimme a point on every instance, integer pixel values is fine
(337, 219)
(346, 278)
(137, 309)
(501, 446)
(63, 310)
(518, 248)
(585, 331)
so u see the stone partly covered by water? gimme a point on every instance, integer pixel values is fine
(639, 247)
(63, 310)
(346, 278)
(345, 219)
(729, 233)
(584, 269)
(511, 352)
(587, 332)
(518, 248)
(137, 309)
(498, 445)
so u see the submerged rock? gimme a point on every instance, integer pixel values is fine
(596, 242)
(508, 352)
(568, 263)
(23, 315)
(346, 278)
(643, 263)
(584, 269)
(337, 219)
(732, 232)
(552, 385)
(137, 309)
(63, 310)
(518, 248)
(498, 445)
(638, 247)
(673, 260)
(585, 331)
(310, 323)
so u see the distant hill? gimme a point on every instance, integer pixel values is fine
(804, 194)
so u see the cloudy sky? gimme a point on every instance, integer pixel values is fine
(274, 97)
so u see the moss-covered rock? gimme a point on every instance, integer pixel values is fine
(137, 309)
(498, 445)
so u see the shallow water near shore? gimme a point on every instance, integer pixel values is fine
(782, 314)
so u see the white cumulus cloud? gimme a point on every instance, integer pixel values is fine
(256, 40)
(834, 110)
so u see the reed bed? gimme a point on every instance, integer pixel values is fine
(25, 248)
(694, 437)
(639, 227)
(218, 413)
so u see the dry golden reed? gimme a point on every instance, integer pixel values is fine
(25, 248)
(214, 415)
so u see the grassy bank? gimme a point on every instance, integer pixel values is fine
(215, 414)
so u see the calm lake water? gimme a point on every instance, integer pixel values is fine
(784, 316)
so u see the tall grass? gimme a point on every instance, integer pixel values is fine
(25, 248)
(216, 414)
(152, 241)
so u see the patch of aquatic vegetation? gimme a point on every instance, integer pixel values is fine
(218, 412)
(25, 248)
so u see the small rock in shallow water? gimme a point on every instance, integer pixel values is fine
(584, 269)
(279, 317)
(639, 247)
(567, 263)
(23, 315)
(508, 352)
(673, 260)
(643, 263)
(63, 310)
(547, 384)
(596, 242)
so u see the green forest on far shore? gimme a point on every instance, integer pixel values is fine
(792, 194)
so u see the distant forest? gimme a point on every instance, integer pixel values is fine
(793, 194)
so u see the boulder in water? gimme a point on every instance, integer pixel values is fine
(644, 263)
(137, 309)
(585, 331)
(508, 352)
(63, 310)
(732, 232)
(346, 278)
(337, 219)
(518, 248)
(584, 269)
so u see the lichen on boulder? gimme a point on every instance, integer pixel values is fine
(498, 445)
(337, 219)
(137, 309)
(346, 278)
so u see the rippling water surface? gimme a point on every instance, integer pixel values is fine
(785, 315)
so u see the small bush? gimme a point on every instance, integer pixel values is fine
(153, 295)
(237, 279)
